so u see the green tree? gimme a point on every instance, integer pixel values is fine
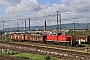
(86, 28)
(70, 32)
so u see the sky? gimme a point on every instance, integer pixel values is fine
(15, 12)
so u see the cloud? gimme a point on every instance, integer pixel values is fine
(24, 5)
(32, 8)
(8, 2)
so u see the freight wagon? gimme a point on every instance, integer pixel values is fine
(28, 37)
(82, 39)
(17, 37)
(37, 38)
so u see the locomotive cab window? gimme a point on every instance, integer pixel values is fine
(68, 38)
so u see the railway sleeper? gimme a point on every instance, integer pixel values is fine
(48, 52)
(38, 50)
(56, 53)
(60, 54)
(52, 52)
(79, 57)
(84, 57)
(76, 56)
(65, 54)
(44, 52)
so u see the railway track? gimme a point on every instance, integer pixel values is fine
(66, 54)
(77, 49)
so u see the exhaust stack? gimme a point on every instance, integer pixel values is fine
(45, 26)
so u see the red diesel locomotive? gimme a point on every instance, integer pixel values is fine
(61, 39)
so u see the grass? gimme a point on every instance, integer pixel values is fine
(24, 55)
(2, 53)
(33, 56)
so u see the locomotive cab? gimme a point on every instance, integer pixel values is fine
(88, 40)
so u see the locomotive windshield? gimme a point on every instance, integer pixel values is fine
(68, 38)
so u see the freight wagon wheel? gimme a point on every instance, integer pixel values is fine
(62, 44)
(68, 43)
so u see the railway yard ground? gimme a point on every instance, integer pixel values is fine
(9, 58)
(56, 51)
(17, 55)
